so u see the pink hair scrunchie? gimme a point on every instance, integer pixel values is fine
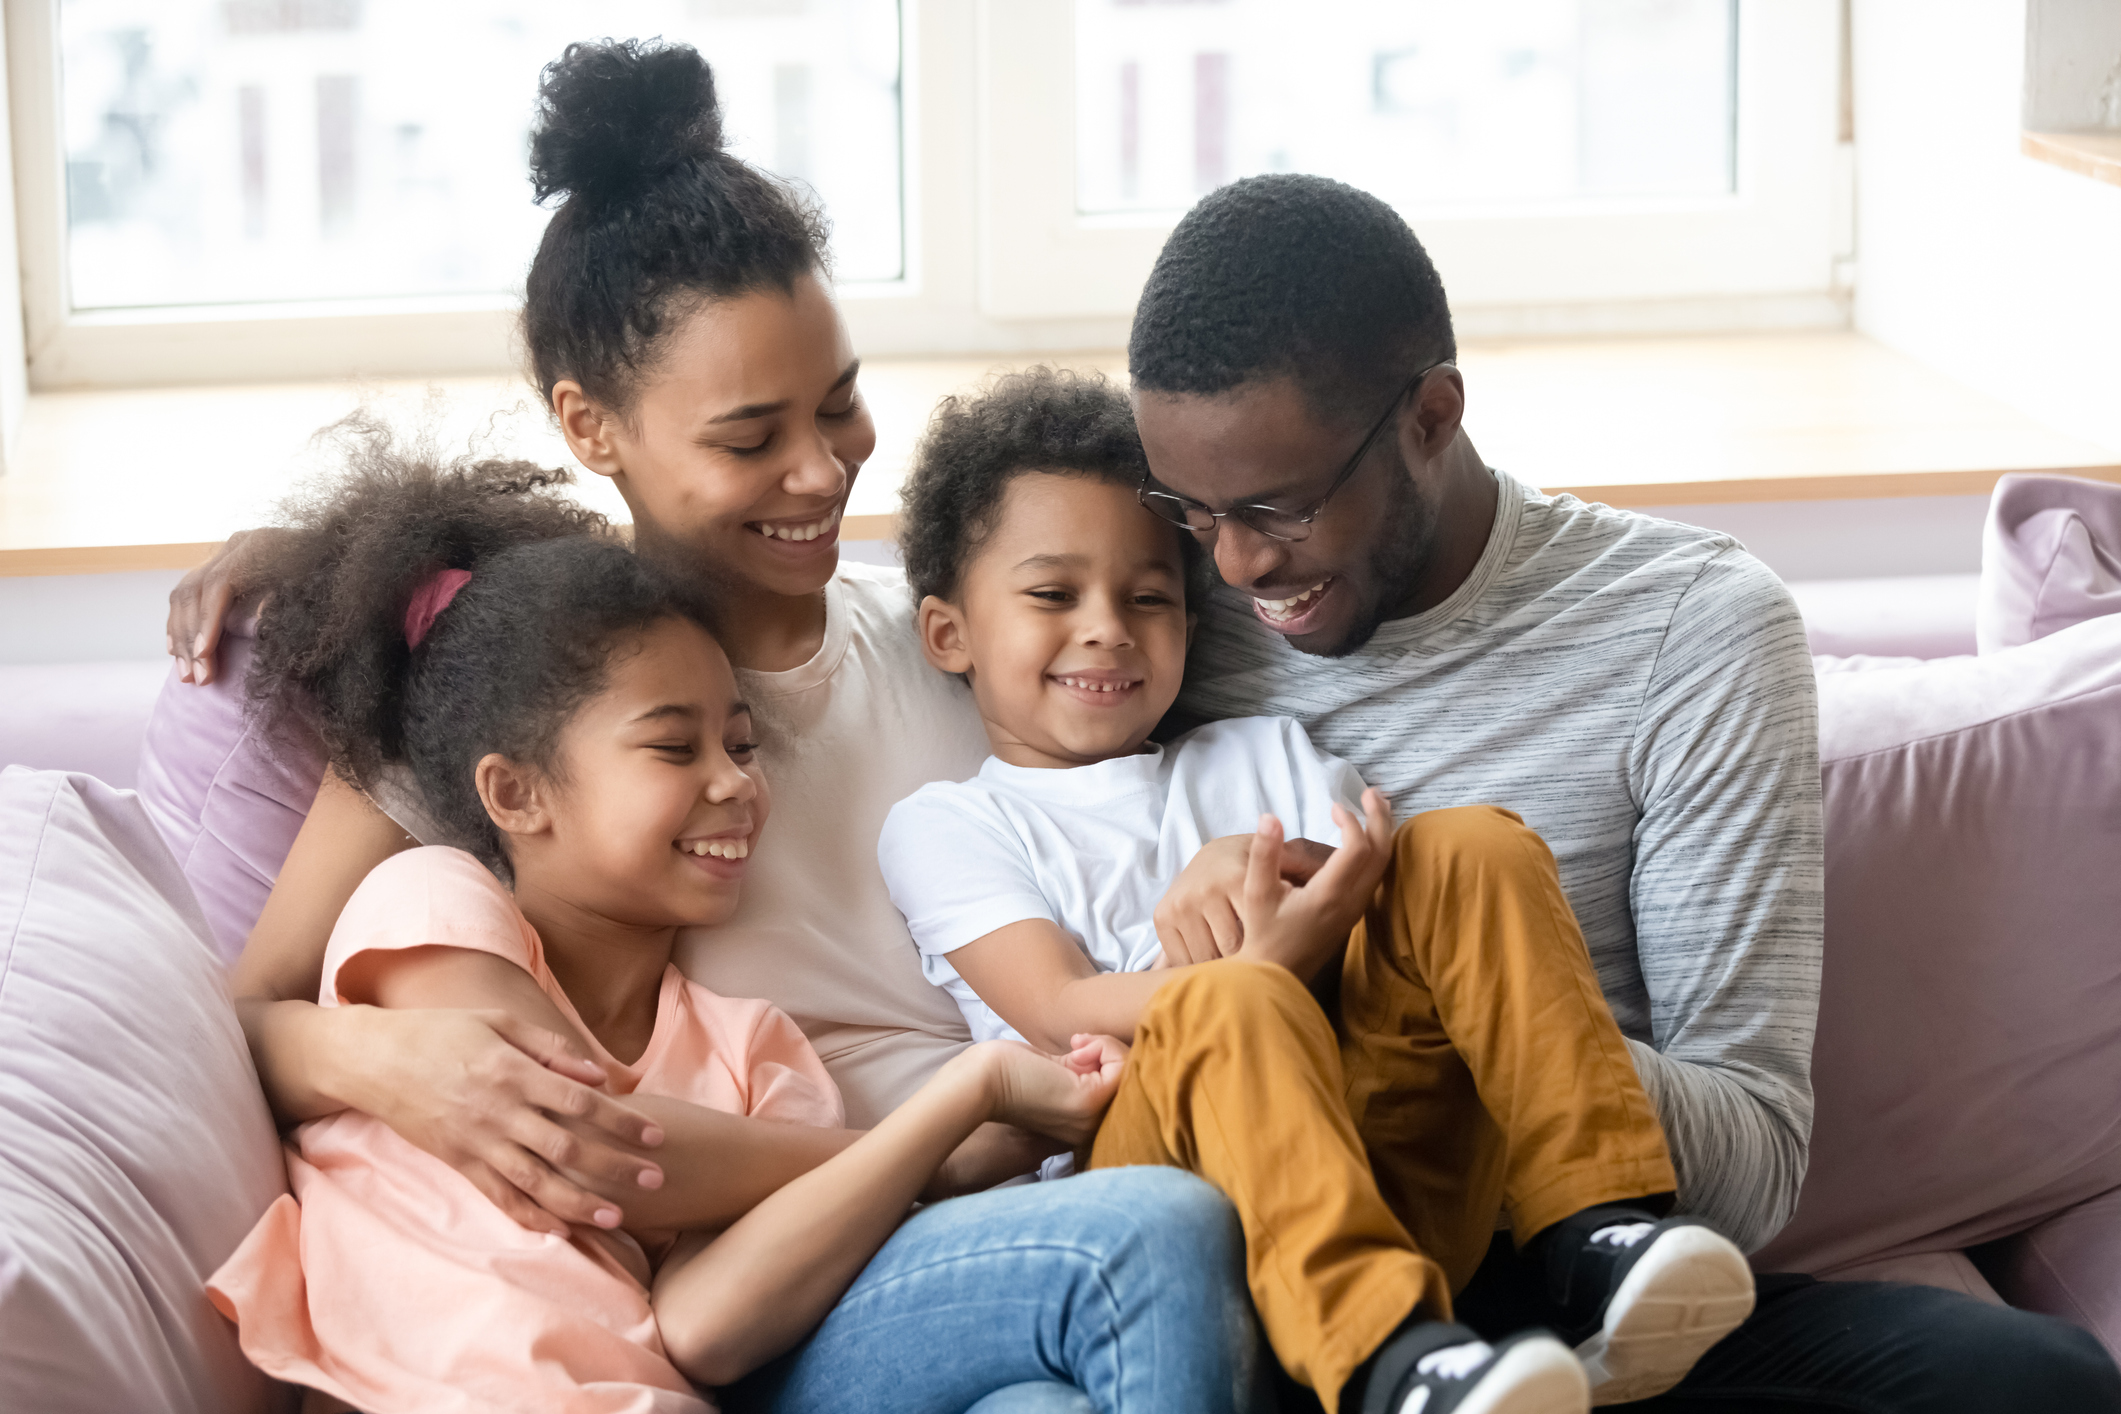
(430, 599)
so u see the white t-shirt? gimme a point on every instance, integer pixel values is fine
(1093, 848)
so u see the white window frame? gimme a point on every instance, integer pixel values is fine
(998, 262)
(1761, 256)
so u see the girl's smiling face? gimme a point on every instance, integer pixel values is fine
(742, 441)
(656, 801)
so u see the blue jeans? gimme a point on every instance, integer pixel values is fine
(1121, 1291)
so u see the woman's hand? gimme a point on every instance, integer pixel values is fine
(1198, 918)
(515, 1108)
(203, 597)
(1304, 926)
(1062, 1097)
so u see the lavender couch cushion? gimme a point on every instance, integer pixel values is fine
(1968, 1063)
(135, 1148)
(2050, 557)
(228, 801)
(77, 716)
(1911, 616)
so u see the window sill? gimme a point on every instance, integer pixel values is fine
(2094, 155)
(152, 479)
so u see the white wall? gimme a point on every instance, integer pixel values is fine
(2000, 270)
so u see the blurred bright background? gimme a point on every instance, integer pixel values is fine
(1813, 271)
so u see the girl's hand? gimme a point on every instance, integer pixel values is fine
(203, 597)
(1303, 927)
(513, 1107)
(1061, 1097)
(1197, 919)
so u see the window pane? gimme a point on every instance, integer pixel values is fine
(1428, 103)
(227, 151)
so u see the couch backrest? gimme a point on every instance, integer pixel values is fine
(228, 801)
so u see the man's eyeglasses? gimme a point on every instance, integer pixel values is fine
(1273, 521)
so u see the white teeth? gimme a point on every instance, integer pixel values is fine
(1284, 608)
(719, 849)
(799, 532)
(1088, 686)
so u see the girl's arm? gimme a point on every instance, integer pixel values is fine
(726, 1305)
(719, 1166)
(479, 1090)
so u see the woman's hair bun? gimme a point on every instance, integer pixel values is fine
(615, 114)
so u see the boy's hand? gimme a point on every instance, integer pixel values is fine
(1302, 927)
(1197, 920)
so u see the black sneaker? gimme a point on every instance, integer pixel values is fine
(1433, 1367)
(1643, 1298)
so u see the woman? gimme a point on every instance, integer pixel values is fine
(679, 327)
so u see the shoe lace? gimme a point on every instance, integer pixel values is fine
(1623, 1234)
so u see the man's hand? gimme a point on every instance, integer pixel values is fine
(1198, 918)
(1304, 926)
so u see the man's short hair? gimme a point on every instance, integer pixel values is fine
(1296, 276)
(1041, 419)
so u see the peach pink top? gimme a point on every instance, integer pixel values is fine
(390, 1281)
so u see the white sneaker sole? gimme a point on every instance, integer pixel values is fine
(1537, 1376)
(1690, 1290)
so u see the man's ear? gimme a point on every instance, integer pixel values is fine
(1439, 408)
(513, 795)
(943, 636)
(587, 427)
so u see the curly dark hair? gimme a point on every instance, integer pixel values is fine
(1297, 276)
(1041, 419)
(553, 592)
(658, 214)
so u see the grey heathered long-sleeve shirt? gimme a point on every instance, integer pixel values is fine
(1641, 693)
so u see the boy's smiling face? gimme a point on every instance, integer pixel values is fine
(1069, 620)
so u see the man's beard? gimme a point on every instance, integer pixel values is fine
(1404, 544)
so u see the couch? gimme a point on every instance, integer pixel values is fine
(1967, 1064)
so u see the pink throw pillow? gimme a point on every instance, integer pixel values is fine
(1968, 1056)
(135, 1148)
(2050, 557)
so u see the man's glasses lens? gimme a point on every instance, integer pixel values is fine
(1276, 524)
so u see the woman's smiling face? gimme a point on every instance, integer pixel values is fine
(743, 439)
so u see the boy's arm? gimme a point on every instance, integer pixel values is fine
(1039, 981)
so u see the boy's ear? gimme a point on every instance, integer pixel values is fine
(943, 635)
(513, 796)
(587, 428)
(1192, 623)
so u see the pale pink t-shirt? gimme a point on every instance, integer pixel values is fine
(390, 1281)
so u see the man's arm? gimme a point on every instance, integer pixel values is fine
(1728, 894)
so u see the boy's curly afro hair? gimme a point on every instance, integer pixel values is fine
(1041, 419)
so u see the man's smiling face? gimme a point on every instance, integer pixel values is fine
(1264, 443)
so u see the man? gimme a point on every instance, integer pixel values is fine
(1638, 690)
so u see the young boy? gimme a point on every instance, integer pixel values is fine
(1470, 1069)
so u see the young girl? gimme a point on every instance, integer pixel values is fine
(579, 741)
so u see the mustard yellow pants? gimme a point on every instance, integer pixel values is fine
(1473, 1072)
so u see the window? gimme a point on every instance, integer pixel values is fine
(1571, 165)
(1431, 104)
(223, 151)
